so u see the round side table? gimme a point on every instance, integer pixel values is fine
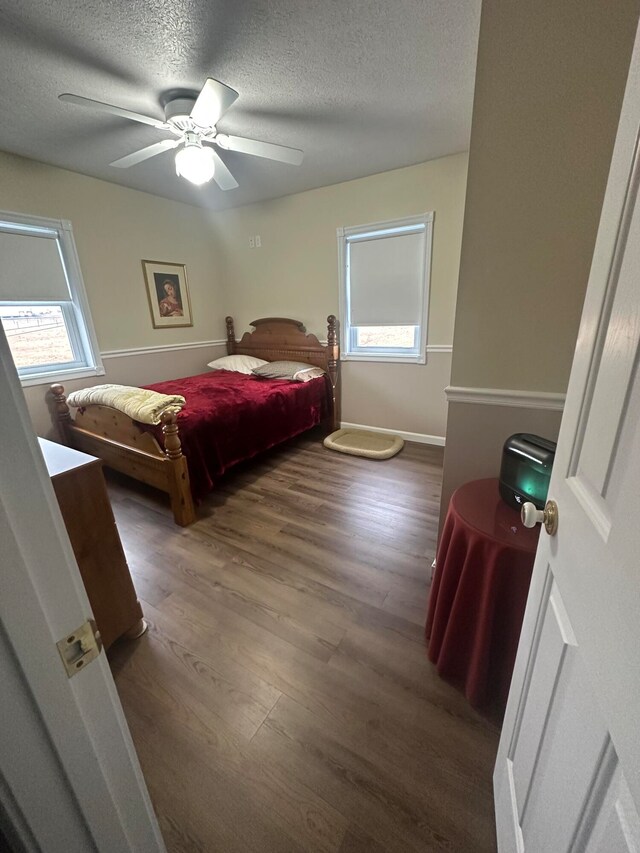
(479, 593)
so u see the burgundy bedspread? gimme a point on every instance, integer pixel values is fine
(229, 417)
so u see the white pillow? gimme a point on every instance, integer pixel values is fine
(237, 363)
(308, 373)
(297, 371)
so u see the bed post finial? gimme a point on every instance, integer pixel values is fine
(61, 412)
(333, 365)
(332, 330)
(231, 335)
(172, 443)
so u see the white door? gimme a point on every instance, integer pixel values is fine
(70, 781)
(567, 775)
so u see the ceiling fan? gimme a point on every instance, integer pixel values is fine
(193, 121)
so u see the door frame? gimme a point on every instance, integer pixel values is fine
(69, 774)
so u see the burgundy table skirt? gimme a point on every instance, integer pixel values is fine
(479, 592)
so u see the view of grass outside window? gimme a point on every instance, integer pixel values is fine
(36, 335)
(396, 337)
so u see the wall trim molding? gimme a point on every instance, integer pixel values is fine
(419, 437)
(506, 397)
(122, 353)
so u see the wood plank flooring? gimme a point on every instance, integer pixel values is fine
(282, 699)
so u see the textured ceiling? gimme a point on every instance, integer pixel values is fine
(361, 86)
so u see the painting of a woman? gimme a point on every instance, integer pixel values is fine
(170, 305)
(168, 294)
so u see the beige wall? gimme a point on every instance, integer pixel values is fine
(405, 397)
(549, 85)
(295, 274)
(114, 229)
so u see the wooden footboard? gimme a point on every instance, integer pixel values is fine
(115, 438)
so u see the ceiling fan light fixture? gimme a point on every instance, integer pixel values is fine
(195, 163)
(193, 120)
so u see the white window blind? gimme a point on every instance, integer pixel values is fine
(31, 267)
(384, 271)
(43, 305)
(386, 278)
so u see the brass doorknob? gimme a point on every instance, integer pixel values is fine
(531, 516)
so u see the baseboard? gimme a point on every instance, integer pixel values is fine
(418, 437)
(506, 397)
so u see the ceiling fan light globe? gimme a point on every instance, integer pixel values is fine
(196, 164)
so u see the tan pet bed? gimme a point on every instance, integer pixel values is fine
(362, 442)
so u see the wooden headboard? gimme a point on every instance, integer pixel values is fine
(282, 339)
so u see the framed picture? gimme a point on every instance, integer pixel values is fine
(168, 294)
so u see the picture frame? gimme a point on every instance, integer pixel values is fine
(168, 294)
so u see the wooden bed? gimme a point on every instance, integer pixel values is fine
(112, 436)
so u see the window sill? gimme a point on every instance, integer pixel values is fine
(391, 359)
(61, 375)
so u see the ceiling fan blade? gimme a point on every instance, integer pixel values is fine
(212, 103)
(109, 108)
(145, 153)
(293, 156)
(222, 176)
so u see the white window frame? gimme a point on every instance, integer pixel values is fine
(349, 351)
(76, 312)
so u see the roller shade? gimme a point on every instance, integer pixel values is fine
(386, 279)
(31, 268)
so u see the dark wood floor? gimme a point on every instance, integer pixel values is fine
(282, 699)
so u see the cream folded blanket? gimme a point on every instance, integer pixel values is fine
(138, 403)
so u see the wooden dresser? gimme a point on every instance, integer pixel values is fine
(79, 485)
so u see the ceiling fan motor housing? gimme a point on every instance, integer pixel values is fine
(178, 113)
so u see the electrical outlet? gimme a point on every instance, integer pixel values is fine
(252, 242)
(258, 241)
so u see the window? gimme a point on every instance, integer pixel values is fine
(43, 305)
(384, 289)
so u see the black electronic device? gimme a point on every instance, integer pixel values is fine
(525, 472)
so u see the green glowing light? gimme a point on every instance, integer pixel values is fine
(534, 486)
